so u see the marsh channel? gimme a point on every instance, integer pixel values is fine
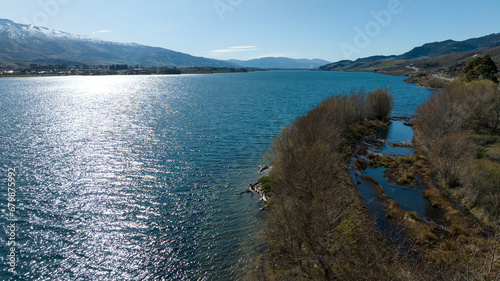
(376, 182)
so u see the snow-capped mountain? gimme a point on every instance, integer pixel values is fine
(25, 44)
(25, 33)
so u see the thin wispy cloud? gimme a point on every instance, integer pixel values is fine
(102, 31)
(235, 49)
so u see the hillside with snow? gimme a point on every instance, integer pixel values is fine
(27, 44)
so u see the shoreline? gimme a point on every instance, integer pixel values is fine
(141, 72)
(420, 79)
(410, 79)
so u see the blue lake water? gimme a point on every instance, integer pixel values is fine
(135, 178)
(409, 198)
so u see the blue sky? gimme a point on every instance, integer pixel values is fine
(245, 29)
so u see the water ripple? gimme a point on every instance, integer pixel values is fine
(135, 178)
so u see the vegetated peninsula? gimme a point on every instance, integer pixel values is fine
(431, 65)
(317, 227)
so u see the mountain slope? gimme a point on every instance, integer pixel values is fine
(25, 44)
(280, 63)
(430, 50)
(450, 46)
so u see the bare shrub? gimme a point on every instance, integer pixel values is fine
(358, 99)
(379, 104)
(451, 156)
(480, 103)
(441, 114)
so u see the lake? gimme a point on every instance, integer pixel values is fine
(136, 177)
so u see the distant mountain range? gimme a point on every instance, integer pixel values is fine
(22, 44)
(27, 44)
(447, 58)
(280, 63)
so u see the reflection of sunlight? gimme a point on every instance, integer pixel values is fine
(108, 167)
(99, 85)
(99, 131)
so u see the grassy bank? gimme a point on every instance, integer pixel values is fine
(457, 132)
